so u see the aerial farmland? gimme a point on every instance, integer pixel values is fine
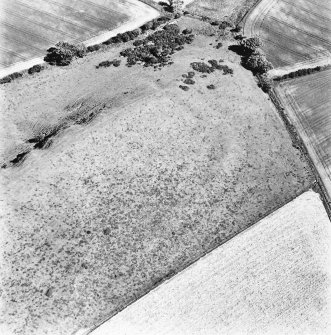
(145, 139)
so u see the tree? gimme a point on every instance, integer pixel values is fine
(257, 62)
(176, 5)
(251, 44)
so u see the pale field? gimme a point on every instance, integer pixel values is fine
(273, 278)
(168, 174)
(292, 31)
(308, 103)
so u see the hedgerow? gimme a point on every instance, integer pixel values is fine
(299, 73)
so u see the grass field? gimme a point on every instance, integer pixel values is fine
(292, 31)
(274, 278)
(157, 179)
(28, 28)
(308, 102)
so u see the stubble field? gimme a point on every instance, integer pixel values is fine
(155, 180)
(292, 31)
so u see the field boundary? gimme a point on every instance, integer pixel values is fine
(321, 61)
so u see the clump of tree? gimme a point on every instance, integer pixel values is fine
(253, 57)
(257, 62)
(176, 5)
(63, 53)
(157, 48)
(214, 65)
(251, 44)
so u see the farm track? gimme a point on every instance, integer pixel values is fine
(309, 12)
(280, 46)
(319, 4)
(292, 39)
(305, 32)
(300, 18)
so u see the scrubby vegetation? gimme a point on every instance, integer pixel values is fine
(107, 63)
(35, 68)
(11, 77)
(93, 48)
(189, 81)
(265, 83)
(184, 88)
(63, 53)
(214, 65)
(157, 48)
(211, 87)
(202, 67)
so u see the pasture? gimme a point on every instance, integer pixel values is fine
(292, 31)
(28, 28)
(307, 100)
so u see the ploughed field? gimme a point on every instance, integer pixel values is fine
(308, 103)
(292, 31)
(28, 28)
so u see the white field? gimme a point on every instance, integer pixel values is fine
(274, 278)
